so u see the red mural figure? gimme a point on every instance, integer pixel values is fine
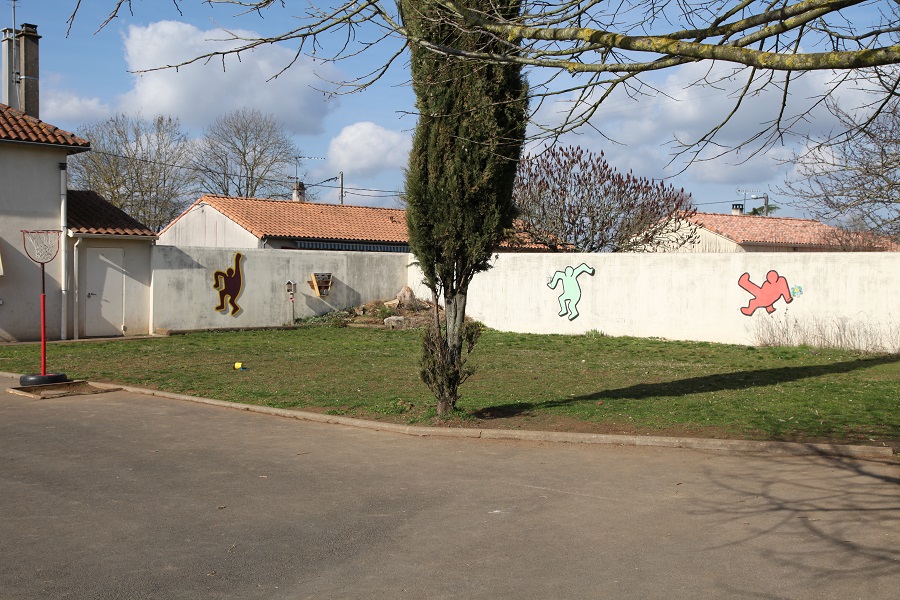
(767, 294)
(230, 283)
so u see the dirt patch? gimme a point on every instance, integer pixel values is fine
(59, 390)
(373, 314)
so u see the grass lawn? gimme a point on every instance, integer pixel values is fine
(584, 383)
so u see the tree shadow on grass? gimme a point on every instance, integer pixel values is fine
(737, 380)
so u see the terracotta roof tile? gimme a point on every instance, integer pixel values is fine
(518, 239)
(282, 218)
(749, 229)
(16, 126)
(89, 213)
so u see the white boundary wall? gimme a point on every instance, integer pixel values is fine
(852, 299)
(184, 298)
(846, 299)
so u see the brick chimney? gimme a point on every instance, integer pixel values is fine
(21, 69)
(737, 209)
(299, 192)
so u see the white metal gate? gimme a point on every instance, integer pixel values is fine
(104, 292)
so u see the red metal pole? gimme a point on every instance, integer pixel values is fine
(43, 335)
(43, 324)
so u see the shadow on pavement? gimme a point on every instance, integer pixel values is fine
(842, 529)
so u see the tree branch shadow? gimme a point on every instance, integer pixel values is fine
(840, 527)
(738, 380)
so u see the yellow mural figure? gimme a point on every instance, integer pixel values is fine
(230, 284)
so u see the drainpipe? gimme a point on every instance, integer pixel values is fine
(64, 252)
(75, 313)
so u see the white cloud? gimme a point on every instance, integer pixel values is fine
(640, 134)
(364, 149)
(762, 167)
(65, 107)
(200, 92)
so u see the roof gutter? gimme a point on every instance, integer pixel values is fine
(788, 245)
(151, 238)
(67, 147)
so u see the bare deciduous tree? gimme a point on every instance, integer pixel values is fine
(853, 236)
(854, 179)
(246, 153)
(571, 199)
(137, 165)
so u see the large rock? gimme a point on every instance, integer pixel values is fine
(407, 299)
(395, 322)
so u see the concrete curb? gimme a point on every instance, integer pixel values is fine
(737, 446)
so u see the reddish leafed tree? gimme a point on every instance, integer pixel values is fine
(571, 199)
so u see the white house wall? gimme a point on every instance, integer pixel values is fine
(184, 297)
(704, 240)
(29, 199)
(851, 296)
(204, 226)
(707, 241)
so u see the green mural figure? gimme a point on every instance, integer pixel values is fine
(571, 295)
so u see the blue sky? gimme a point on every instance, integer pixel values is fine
(85, 77)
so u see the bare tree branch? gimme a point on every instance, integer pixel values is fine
(607, 47)
(854, 179)
(137, 165)
(246, 153)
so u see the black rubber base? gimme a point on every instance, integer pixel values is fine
(27, 380)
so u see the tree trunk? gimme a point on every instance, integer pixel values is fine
(454, 316)
(455, 313)
(445, 407)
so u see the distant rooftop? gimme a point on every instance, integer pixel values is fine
(308, 220)
(750, 229)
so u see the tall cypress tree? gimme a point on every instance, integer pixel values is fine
(459, 182)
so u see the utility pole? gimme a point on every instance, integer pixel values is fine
(341, 177)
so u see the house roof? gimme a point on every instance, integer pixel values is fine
(16, 126)
(781, 231)
(89, 214)
(308, 220)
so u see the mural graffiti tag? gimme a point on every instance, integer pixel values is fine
(766, 295)
(571, 291)
(230, 284)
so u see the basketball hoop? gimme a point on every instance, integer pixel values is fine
(42, 246)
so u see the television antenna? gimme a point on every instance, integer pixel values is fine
(297, 160)
(746, 191)
(14, 71)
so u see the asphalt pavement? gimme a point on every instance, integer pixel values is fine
(125, 495)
